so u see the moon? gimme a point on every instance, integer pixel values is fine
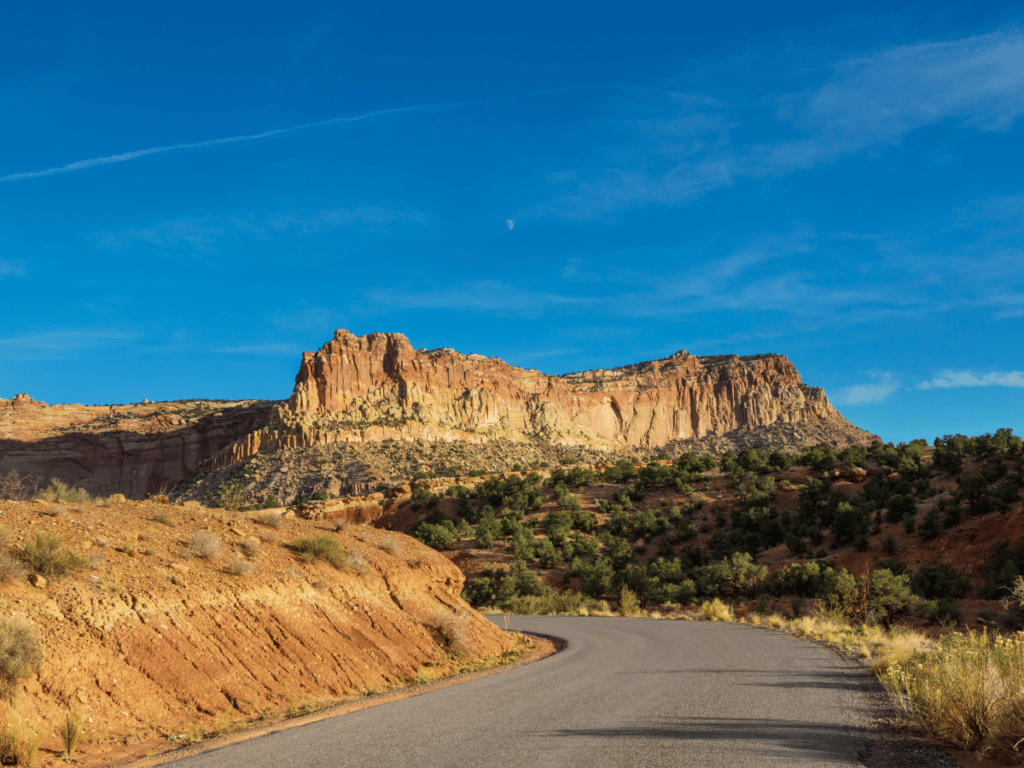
(510, 223)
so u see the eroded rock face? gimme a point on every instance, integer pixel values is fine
(130, 449)
(379, 381)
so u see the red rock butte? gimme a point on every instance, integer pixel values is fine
(379, 387)
(380, 379)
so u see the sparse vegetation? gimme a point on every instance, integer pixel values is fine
(454, 630)
(20, 740)
(269, 519)
(20, 653)
(239, 567)
(205, 545)
(60, 492)
(324, 547)
(71, 732)
(45, 554)
(11, 569)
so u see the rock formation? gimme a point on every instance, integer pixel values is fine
(379, 385)
(130, 449)
(365, 389)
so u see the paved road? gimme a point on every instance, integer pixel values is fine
(623, 692)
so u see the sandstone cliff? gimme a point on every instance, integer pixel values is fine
(362, 390)
(380, 386)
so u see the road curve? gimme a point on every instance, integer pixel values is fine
(623, 692)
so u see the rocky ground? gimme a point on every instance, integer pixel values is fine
(344, 468)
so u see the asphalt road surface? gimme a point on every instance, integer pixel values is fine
(623, 692)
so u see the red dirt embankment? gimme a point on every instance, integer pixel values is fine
(151, 640)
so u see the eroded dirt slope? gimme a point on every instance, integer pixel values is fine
(151, 640)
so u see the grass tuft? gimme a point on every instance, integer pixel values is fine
(71, 733)
(205, 545)
(716, 610)
(968, 692)
(20, 740)
(20, 653)
(11, 568)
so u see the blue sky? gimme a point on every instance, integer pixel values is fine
(192, 196)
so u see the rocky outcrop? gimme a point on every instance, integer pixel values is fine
(130, 449)
(379, 386)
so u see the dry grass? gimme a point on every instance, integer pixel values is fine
(62, 493)
(239, 567)
(71, 733)
(388, 545)
(20, 740)
(968, 692)
(166, 518)
(20, 653)
(716, 610)
(269, 519)
(205, 545)
(454, 630)
(11, 568)
(898, 648)
(250, 548)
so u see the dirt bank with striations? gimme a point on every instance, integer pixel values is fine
(151, 641)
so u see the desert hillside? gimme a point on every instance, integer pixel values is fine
(160, 623)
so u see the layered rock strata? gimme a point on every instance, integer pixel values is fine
(380, 386)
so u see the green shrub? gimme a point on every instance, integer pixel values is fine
(323, 547)
(798, 579)
(941, 611)
(596, 576)
(889, 595)
(628, 603)
(1005, 564)
(478, 591)
(437, 532)
(20, 653)
(937, 580)
(838, 590)
(45, 554)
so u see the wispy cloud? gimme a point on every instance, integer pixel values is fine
(81, 165)
(882, 384)
(94, 162)
(262, 349)
(491, 296)
(203, 234)
(59, 344)
(8, 267)
(672, 148)
(955, 379)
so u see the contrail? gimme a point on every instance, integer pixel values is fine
(125, 156)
